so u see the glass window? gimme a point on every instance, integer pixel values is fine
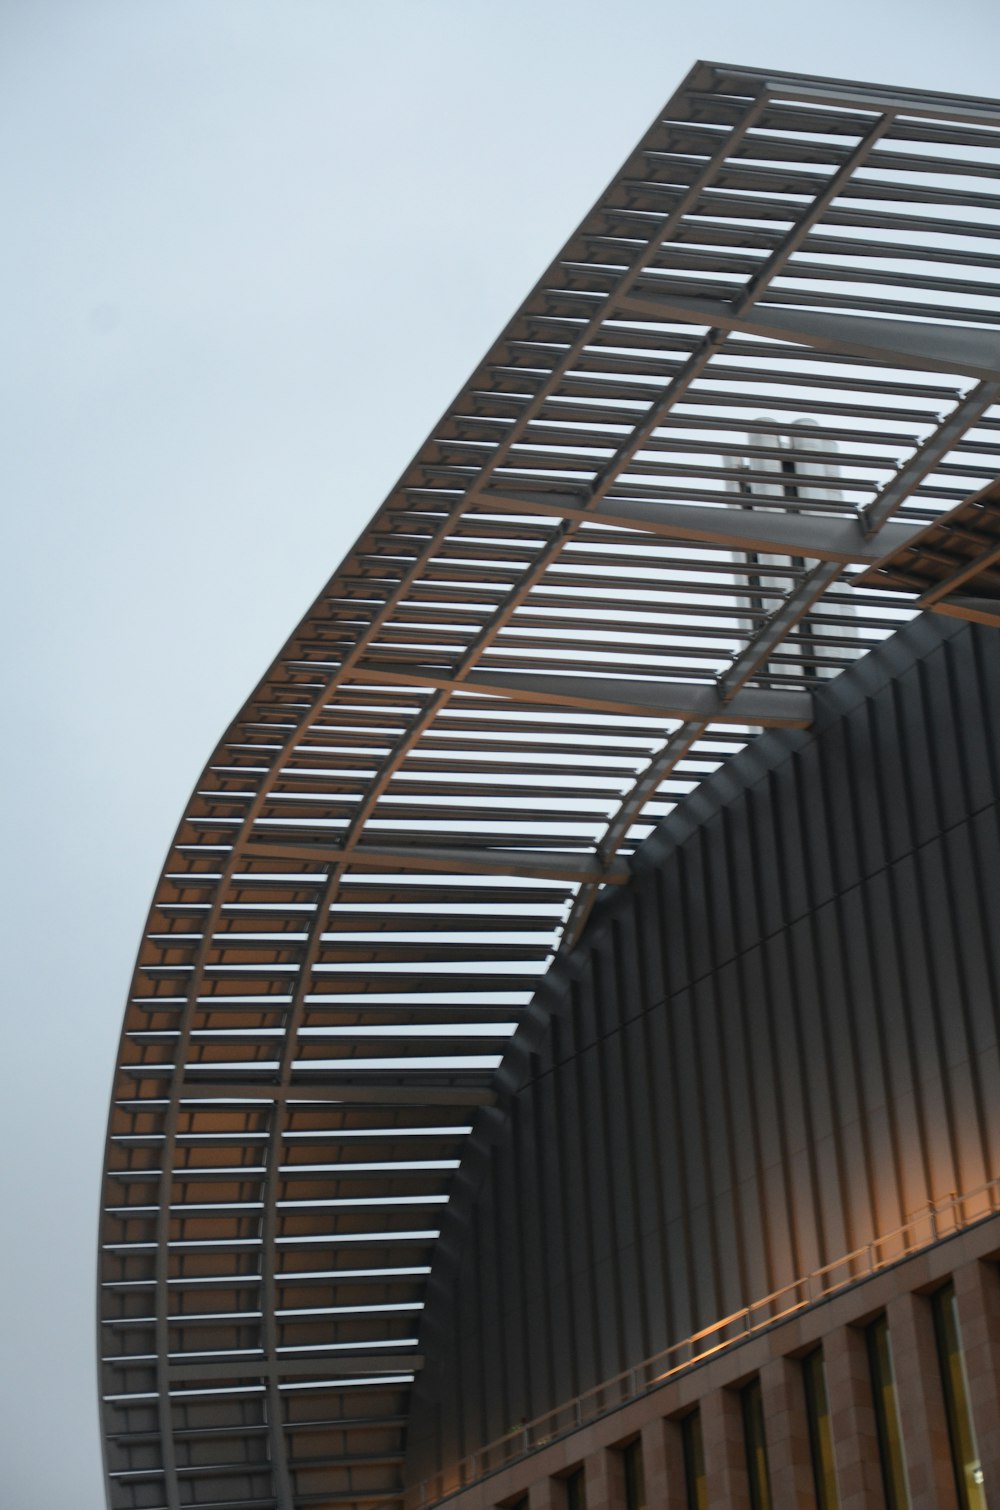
(890, 1438)
(694, 1462)
(576, 1494)
(962, 1432)
(820, 1438)
(756, 1446)
(635, 1484)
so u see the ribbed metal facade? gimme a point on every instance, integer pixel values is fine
(778, 1043)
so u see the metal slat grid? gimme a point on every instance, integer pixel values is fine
(953, 566)
(764, 356)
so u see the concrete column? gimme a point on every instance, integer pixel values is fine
(852, 1420)
(726, 1478)
(789, 1459)
(663, 1466)
(605, 1480)
(923, 1420)
(977, 1292)
(546, 1494)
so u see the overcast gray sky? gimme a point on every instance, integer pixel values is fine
(250, 250)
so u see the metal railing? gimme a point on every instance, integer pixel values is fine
(937, 1220)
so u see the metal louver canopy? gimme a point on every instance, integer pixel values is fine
(954, 564)
(769, 352)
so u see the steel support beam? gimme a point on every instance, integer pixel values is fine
(732, 685)
(934, 449)
(846, 94)
(925, 345)
(542, 864)
(305, 1092)
(948, 585)
(776, 530)
(639, 698)
(338, 1364)
(645, 788)
(979, 610)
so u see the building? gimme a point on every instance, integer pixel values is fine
(561, 749)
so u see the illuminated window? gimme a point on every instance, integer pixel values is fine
(820, 1438)
(576, 1494)
(756, 1446)
(890, 1438)
(694, 1462)
(635, 1484)
(962, 1432)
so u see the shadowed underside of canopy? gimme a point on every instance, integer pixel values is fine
(767, 358)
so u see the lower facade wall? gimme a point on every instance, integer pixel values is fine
(549, 1478)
